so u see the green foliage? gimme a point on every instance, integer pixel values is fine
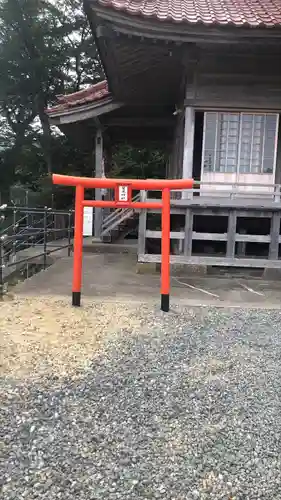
(45, 49)
(136, 163)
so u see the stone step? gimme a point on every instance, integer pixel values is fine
(91, 245)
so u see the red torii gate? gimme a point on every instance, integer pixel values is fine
(123, 199)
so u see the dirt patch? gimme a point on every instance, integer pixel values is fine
(47, 335)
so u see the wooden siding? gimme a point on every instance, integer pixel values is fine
(241, 80)
(252, 183)
(176, 158)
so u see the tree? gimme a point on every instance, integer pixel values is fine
(81, 52)
(138, 163)
(45, 50)
(25, 51)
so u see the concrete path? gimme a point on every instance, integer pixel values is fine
(111, 277)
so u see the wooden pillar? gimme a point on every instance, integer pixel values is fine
(241, 245)
(231, 233)
(188, 145)
(275, 218)
(277, 179)
(98, 173)
(274, 236)
(188, 232)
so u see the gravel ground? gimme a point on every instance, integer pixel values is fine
(179, 406)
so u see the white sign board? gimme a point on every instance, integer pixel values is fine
(88, 221)
(123, 193)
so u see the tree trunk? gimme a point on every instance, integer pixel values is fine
(47, 134)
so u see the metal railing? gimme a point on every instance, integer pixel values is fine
(45, 230)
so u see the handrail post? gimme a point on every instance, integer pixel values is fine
(45, 236)
(69, 233)
(2, 265)
(14, 257)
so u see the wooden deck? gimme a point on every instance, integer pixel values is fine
(234, 207)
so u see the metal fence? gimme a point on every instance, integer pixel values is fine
(45, 230)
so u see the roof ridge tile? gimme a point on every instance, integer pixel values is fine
(91, 94)
(253, 13)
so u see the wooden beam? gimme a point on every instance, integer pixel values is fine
(188, 230)
(224, 212)
(278, 155)
(139, 122)
(251, 238)
(180, 235)
(231, 78)
(98, 173)
(259, 103)
(231, 233)
(218, 204)
(274, 236)
(174, 235)
(84, 113)
(189, 123)
(219, 212)
(213, 261)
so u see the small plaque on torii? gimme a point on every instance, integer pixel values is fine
(123, 194)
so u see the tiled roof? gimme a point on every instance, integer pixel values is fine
(92, 94)
(221, 12)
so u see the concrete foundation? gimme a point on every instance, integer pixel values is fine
(176, 269)
(91, 245)
(146, 268)
(272, 274)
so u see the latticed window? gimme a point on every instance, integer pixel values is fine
(239, 142)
